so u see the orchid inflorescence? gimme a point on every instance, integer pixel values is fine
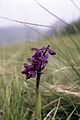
(38, 61)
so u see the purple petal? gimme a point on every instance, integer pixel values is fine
(46, 56)
(30, 60)
(28, 76)
(51, 52)
(25, 65)
(33, 74)
(24, 71)
(34, 49)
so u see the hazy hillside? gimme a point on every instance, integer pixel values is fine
(12, 34)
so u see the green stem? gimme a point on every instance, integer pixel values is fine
(38, 97)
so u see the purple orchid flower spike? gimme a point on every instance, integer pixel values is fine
(38, 61)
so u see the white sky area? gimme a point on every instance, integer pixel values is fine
(30, 11)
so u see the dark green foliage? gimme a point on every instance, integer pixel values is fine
(73, 28)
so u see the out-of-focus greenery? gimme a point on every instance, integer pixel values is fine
(59, 85)
(73, 28)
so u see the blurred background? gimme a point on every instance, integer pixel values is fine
(12, 12)
(26, 24)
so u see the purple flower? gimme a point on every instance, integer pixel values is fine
(38, 61)
(29, 71)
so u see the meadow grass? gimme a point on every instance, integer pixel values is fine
(59, 85)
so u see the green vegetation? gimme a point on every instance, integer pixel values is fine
(59, 85)
(73, 28)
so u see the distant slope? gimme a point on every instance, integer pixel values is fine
(13, 34)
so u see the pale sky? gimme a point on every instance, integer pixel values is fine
(28, 10)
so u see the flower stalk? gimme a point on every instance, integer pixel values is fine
(37, 62)
(38, 98)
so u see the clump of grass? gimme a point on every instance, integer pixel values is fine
(17, 96)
